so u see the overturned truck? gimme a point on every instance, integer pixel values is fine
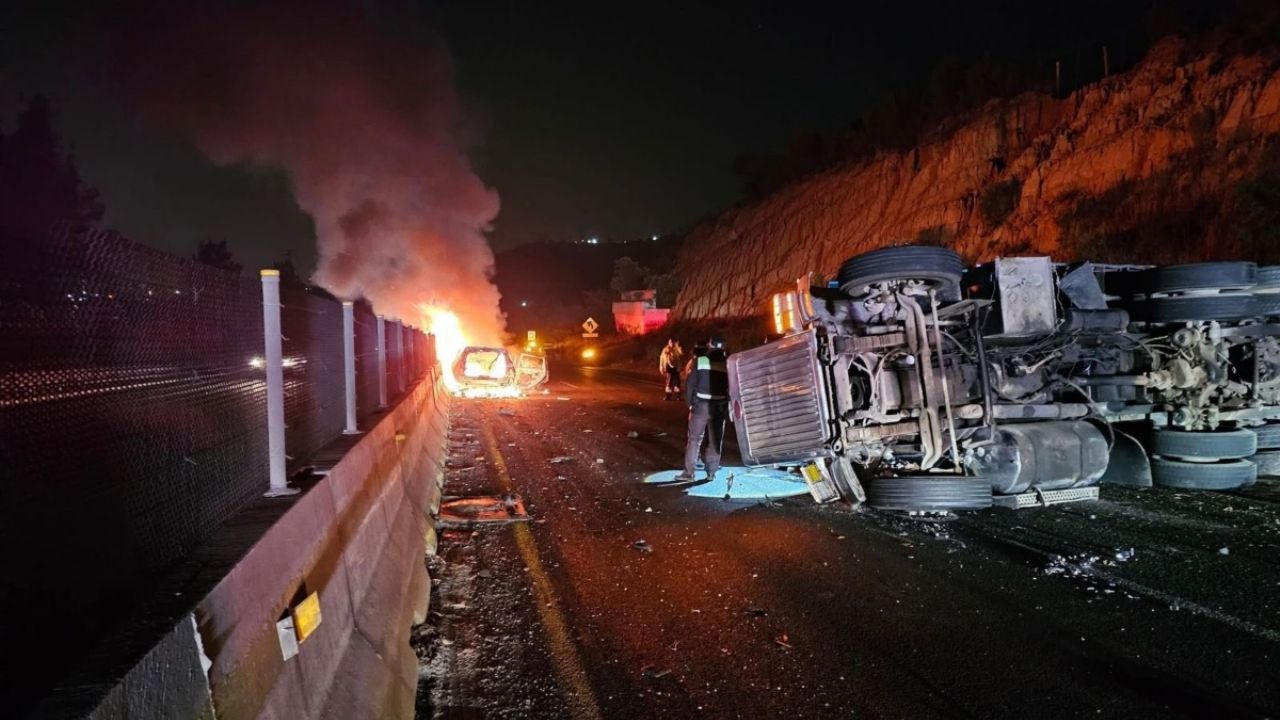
(914, 383)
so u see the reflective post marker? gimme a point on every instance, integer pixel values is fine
(349, 363)
(382, 362)
(273, 364)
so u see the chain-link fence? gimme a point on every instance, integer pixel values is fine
(367, 393)
(133, 422)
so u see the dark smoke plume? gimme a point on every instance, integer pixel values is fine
(366, 125)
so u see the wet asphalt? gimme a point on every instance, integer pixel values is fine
(1148, 603)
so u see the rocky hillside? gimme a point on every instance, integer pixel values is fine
(1175, 160)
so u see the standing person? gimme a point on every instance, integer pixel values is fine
(669, 366)
(708, 396)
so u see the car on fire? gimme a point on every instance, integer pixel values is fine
(915, 383)
(490, 372)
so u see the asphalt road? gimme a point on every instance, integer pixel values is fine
(1143, 604)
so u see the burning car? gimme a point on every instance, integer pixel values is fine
(918, 384)
(490, 372)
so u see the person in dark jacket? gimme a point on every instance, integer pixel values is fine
(707, 392)
(669, 366)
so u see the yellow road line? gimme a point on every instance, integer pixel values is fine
(570, 675)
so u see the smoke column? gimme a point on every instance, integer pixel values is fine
(366, 125)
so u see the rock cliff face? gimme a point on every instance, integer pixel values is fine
(1142, 167)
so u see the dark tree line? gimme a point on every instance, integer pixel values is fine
(40, 186)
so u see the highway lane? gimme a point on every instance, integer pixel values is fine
(1127, 606)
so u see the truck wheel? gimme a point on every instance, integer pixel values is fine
(1203, 276)
(937, 266)
(1203, 476)
(1192, 308)
(1268, 436)
(1267, 462)
(1268, 279)
(1204, 446)
(1268, 305)
(928, 494)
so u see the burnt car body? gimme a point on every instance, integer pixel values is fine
(490, 372)
(919, 384)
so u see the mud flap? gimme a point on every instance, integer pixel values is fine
(531, 371)
(1129, 465)
(846, 480)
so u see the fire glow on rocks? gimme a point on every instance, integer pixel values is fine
(363, 120)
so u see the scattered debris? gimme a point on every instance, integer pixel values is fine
(1224, 551)
(755, 611)
(651, 671)
(507, 412)
(633, 434)
(643, 546)
(560, 459)
(562, 398)
(783, 640)
(599, 461)
(464, 511)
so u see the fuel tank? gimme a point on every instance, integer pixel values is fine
(1045, 455)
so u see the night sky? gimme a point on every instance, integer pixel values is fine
(600, 119)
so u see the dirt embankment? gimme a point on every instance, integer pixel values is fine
(1173, 160)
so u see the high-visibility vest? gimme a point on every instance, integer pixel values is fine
(710, 379)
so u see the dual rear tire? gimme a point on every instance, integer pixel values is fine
(1203, 460)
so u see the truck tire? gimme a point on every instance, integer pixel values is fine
(1267, 462)
(1224, 445)
(1268, 436)
(1227, 308)
(1203, 276)
(1267, 305)
(1203, 476)
(940, 267)
(928, 494)
(1268, 279)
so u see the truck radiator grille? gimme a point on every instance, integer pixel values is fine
(780, 411)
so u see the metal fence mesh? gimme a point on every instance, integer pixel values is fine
(366, 360)
(314, 403)
(133, 422)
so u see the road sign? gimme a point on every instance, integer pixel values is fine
(590, 326)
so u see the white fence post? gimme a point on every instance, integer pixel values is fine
(349, 363)
(273, 364)
(399, 357)
(382, 362)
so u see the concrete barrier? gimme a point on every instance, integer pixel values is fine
(355, 540)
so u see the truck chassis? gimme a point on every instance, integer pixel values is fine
(917, 384)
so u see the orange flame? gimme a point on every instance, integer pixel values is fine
(450, 339)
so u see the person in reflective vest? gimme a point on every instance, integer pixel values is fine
(707, 391)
